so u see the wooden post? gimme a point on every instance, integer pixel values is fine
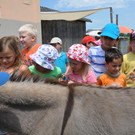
(111, 15)
(116, 19)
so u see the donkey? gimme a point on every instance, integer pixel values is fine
(28, 108)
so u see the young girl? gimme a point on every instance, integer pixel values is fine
(79, 70)
(10, 57)
(43, 61)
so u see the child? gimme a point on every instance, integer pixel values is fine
(96, 56)
(89, 41)
(28, 38)
(62, 60)
(113, 77)
(79, 70)
(10, 57)
(128, 66)
(43, 61)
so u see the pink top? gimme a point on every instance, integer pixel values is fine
(89, 78)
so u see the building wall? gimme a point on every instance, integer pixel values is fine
(69, 32)
(15, 13)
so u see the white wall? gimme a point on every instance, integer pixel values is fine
(15, 13)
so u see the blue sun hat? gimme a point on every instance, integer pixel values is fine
(45, 56)
(3, 132)
(4, 77)
(111, 30)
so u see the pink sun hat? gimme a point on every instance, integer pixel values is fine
(78, 52)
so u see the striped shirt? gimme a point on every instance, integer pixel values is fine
(96, 57)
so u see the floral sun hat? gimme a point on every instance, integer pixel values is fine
(45, 56)
(78, 52)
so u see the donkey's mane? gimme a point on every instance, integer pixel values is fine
(30, 91)
(37, 91)
(37, 79)
(34, 79)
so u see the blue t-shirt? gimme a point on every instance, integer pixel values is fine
(62, 61)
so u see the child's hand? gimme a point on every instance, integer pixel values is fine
(71, 82)
(60, 80)
(64, 76)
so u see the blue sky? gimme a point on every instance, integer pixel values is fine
(124, 8)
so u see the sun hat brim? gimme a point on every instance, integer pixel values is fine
(78, 58)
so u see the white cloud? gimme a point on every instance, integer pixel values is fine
(92, 3)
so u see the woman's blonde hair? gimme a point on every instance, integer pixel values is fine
(12, 43)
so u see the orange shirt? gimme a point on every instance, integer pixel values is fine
(107, 80)
(26, 53)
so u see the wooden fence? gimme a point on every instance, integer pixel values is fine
(69, 32)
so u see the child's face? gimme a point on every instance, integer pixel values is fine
(90, 44)
(115, 66)
(40, 68)
(7, 58)
(107, 42)
(57, 46)
(75, 65)
(26, 40)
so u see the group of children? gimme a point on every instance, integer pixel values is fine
(92, 62)
(88, 63)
